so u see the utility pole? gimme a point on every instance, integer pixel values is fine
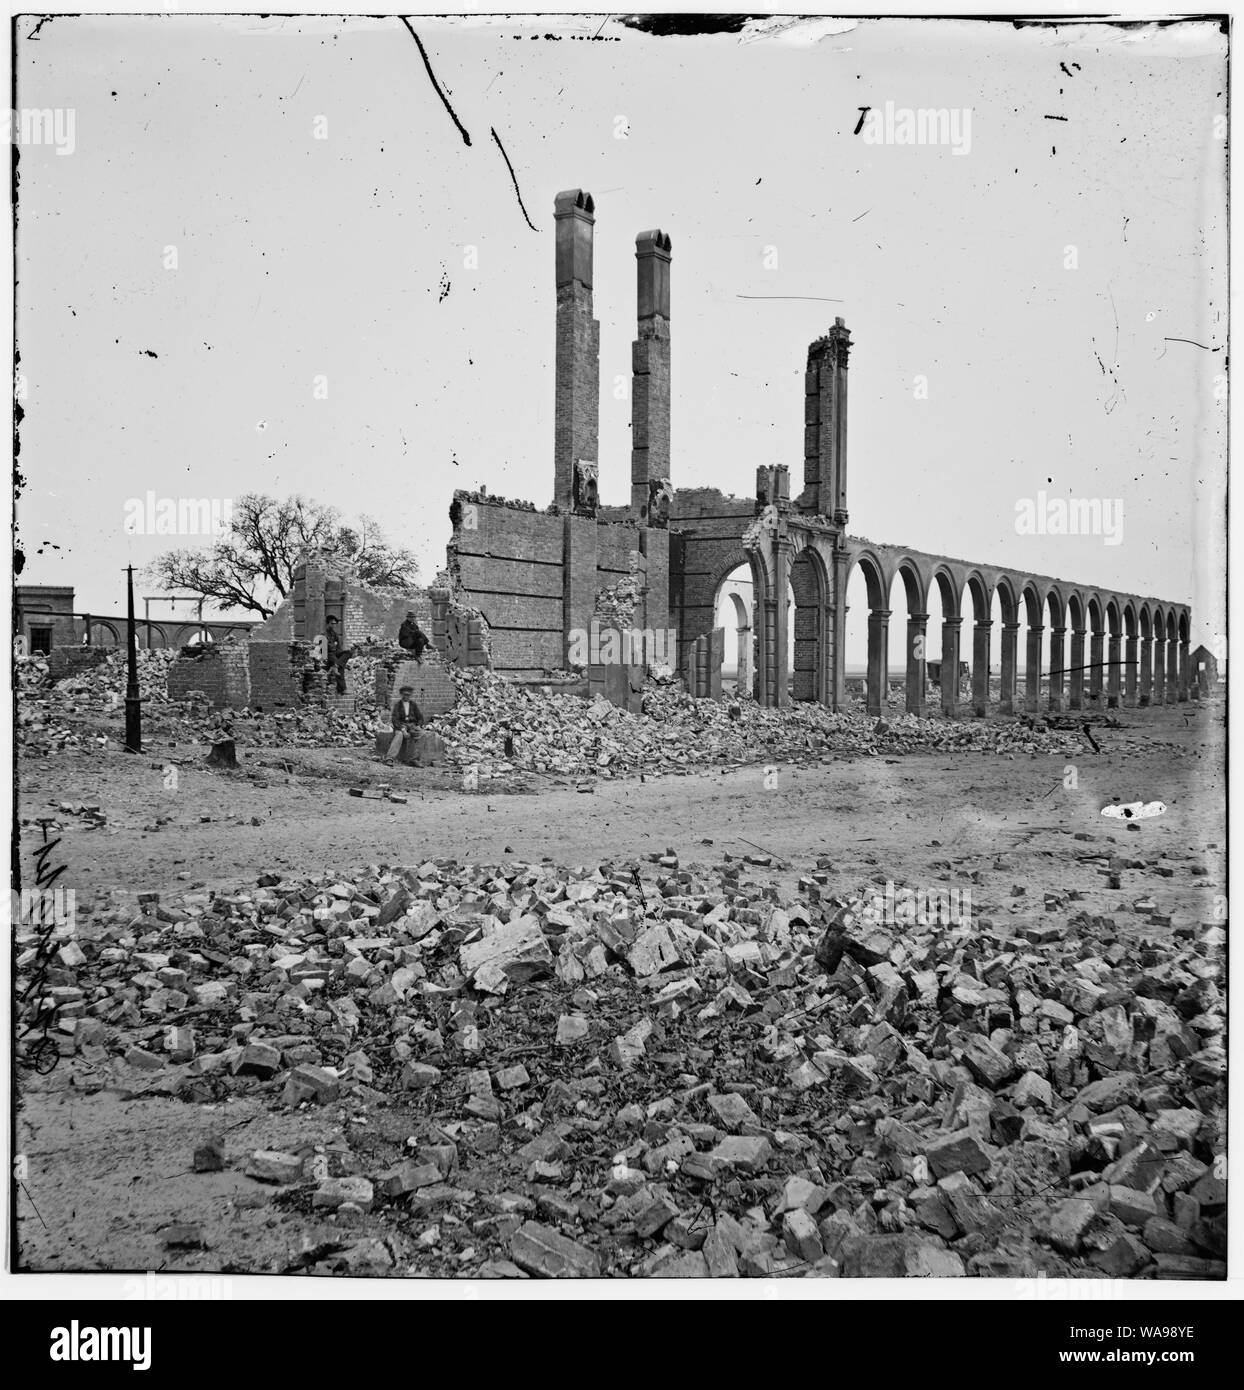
(133, 703)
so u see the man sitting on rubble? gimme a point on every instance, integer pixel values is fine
(407, 719)
(412, 638)
(337, 655)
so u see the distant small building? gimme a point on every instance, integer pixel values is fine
(44, 616)
(1204, 669)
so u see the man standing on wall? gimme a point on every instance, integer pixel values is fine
(407, 718)
(337, 655)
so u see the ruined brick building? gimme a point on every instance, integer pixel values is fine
(282, 662)
(536, 579)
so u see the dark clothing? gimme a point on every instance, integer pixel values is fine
(407, 716)
(412, 638)
(406, 712)
(337, 658)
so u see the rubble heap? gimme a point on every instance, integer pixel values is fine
(551, 731)
(51, 717)
(555, 732)
(665, 1069)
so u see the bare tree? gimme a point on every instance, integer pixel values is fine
(252, 567)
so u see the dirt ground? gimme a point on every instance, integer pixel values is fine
(106, 1170)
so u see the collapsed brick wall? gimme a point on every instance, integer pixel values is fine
(365, 615)
(222, 673)
(261, 675)
(371, 617)
(616, 604)
(536, 577)
(460, 634)
(507, 561)
(434, 690)
(68, 661)
(279, 673)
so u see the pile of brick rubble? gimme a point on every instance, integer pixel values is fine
(559, 733)
(549, 732)
(658, 1069)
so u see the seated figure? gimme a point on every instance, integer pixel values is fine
(407, 719)
(412, 638)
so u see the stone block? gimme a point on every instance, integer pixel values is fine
(517, 948)
(311, 1083)
(270, 1165)
(1067, 1223)
(748, 1154)
(571, 1028)
(732, 1111)
(802, 1238)
(542, 1251)
(258, 1059)
(337, 1192)
(417, 1075)
(959, 1152)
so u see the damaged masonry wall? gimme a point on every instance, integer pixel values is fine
(322, 588)
(536, 577)
(278, 666)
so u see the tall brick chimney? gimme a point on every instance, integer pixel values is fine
(825, 426)
(577, 411)
(650, 371)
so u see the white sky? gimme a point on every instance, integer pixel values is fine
(299, 257)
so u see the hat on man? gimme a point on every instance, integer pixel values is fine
(406, 690)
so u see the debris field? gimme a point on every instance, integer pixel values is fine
(680, 1070)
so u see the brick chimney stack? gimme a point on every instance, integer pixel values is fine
(825, 426)
(577, 409)
(650, 368)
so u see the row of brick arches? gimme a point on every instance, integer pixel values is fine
(1029, 641)
(110, 632)
(1084, 648)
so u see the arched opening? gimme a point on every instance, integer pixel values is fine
(1032, 608)
(915, 637)
(866, 667)
(1172, 659)
(1114, 653)
(807, 645)
(1185, 658)
(1158, 686)
(733, 610)
(1056, 647)
(1129, 655)
(1077, 617)
(1144, 673)
(951, 668)
(1008, 607)
(1097, 652)
(997, 621)
(981, 643)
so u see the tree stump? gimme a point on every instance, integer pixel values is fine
(223, 754)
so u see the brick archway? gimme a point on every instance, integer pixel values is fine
(809, 586)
